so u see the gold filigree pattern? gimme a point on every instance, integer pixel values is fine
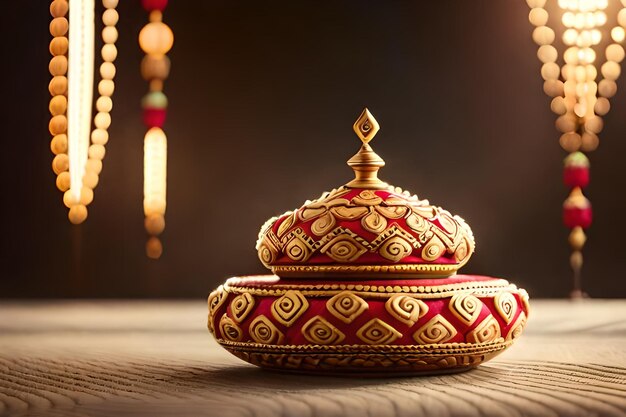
(343, 248)
(216, 299)
(405, 308)
(431, 232)
(241, 306)
(465, 307)
(506, 306)
(288, 308)
(395, 249)
(377, 332)
(320, 331)
(229, 329)
(346, 306)
(263, 331)
(517, 327)
(436, 330)
(487, 331)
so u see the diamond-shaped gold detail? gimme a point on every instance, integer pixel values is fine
(405, 308)
(320, 331)
(241, 306)
(487, 331)
(377, 332)
(465, 307)
(343, 248)
(506, 306)
(289, 307)
(366, 126)
(262, 330)
(436, 330)
(346, 306)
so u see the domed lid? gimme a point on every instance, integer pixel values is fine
(365, 228)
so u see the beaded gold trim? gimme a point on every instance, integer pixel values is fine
(379, 271)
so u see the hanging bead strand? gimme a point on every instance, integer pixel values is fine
(155, 39)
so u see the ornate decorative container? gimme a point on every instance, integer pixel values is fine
(365, 282)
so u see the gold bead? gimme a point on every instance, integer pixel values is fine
(602, 106)
(63, 181)
(155, 224)
(109, 34)
(154, 248)
(155, 67)
(60, 163)
(102, 120)
(553, 88)
(59, 8)
(550, 71)
(90, 179)
(566, 123)
(59, 45)
(610, 70)
(547, 53)
(99, 137)
(59, 26)
(590, 142)
(77, 214)
(93, 166)
(594, 124)
(607, 88)
(570, 141)
(86, 196)
(69, 199)
(538, 16)
(58, 144)
(58, 85)
(104, 104)
(109, 4)
(107, 70)
(57, 125)
(558, 105)
(96, 152)
(615, 52)
(110, 17)
(543, 35)
(535, 3)
(109, 52)
(106, 88)
(58, 105)
(156, 38)
(58, 65)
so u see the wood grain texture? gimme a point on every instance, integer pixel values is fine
(156, 358)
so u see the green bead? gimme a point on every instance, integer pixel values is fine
(578, 159)
(154, 100)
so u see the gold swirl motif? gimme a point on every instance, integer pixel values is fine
(367, 198)
(374, 222)
(393, 212)
(349, 213)
(297, 250)
(377, 332)
(263, 331)
(310, 213)
(320, 331)
(506, 306)
(517, 327)
(241, 306)
(266, 255)
(433, 249)
(447, 223)
(395, 249)
(405, 308)
(436, 330)
(286, 224)
(288, 308)
(346, 306)
(465, 307)
(229, 329)
(366, 126)
(216, 299)
(417, 223)
(461, 251)
(323, 224)
(487, 331)
(343, 248)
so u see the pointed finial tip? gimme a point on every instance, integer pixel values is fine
(366, 126)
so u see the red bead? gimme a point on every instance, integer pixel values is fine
(154, 117)
(574, 216)
(576, 176)
(150, 5)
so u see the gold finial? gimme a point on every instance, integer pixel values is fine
(366, 162)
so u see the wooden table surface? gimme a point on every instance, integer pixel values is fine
(106, 358)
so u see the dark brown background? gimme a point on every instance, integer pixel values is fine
(262, 100)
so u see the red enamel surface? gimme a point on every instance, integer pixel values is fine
(573, 216)
(317, 306)
(576, 176)
(153, 117)
(150, 5)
